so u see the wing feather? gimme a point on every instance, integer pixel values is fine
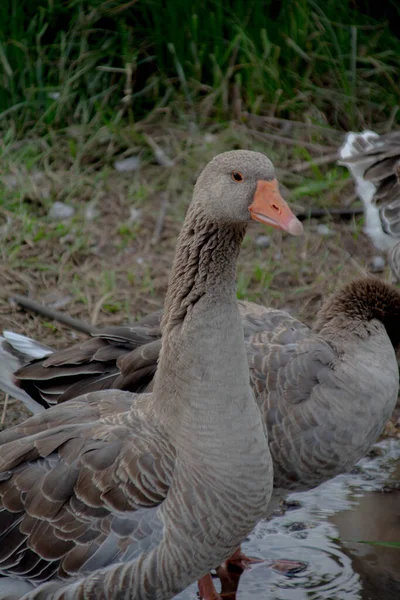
(81, 488)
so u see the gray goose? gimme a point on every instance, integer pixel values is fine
(374, 162)
(325, 393)
(137, 496)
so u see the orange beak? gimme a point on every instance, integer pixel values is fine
(270, 208)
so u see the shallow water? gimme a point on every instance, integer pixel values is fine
(324, 528)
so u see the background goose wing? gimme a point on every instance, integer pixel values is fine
(89, 366)
(301, 399)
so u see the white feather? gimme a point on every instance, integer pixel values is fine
(27, 346)
(366, 189)
(9, 363)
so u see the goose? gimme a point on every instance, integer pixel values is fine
(374, 162)
(325, 393)
(115, 495)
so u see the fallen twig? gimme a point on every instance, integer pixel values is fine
(315, 162)
(349, 258)
(278, 120)
(97, 308)
(161, 218)
(159, 153)
(317, 213)
(273, 137)
(55, 315)
(350, 199)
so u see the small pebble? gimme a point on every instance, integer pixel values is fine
(69, 238)
(377, 264)
(10, 181)
(210, 138)
(43, 185)
(193, 128)
(61, 211)
(38, 176)
(162, 158)
(263, 241)
(125, 165)
(134, 214)
(4, 229)
(91, 212)
(323, 229)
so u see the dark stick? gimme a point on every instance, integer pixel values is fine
(315, 162)
(161, 218)
(322, 128)
(317, 213)
(281, 139)
(55, 315)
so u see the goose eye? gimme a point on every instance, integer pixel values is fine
(236, 176)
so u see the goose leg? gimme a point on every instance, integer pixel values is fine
(231, 570)
(207, 589)
(229, 574)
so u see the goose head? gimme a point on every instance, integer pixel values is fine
(356, 304)
(241, 185)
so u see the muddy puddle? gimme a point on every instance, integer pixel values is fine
(324, 528)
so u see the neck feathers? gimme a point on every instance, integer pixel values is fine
(205, 263)
(202, 364)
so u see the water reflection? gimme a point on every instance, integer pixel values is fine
(348, 507)
(376, 518)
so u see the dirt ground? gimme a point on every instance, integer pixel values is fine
(109, 262)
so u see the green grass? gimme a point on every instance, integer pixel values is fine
(103, 63)
(385, 544)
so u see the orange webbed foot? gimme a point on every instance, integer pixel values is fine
(207, 589)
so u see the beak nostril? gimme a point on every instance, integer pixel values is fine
(275, 208)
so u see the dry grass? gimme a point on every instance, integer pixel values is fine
(109, 264)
